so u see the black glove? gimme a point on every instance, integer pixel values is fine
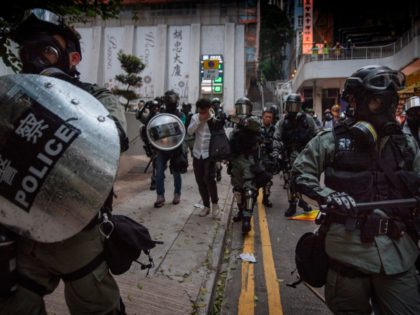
(342, 202)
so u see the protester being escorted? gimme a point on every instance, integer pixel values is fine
(177, 157)
(412, 122)
(266, 152)
(291, 135)
(371, 253)
(204, 168)
(48, 46)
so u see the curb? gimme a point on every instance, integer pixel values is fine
(210, 280)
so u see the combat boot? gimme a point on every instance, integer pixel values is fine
(302, 204)
(291, 210)
(246, 225)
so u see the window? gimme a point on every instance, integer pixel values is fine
(300, 21)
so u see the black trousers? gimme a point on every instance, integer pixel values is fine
(205, 173)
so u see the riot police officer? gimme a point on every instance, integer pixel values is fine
(292, 133)
(186, 109)
(221, 116)
(178, 157)
(49, 46)
(147, 112)
(371, 255)
(412, 122)
(245, 140)
(266, 152)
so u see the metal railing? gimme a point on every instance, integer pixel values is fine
(372, 52)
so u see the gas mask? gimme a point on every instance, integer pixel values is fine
(382, 119)
(364, 134)
(43, 51)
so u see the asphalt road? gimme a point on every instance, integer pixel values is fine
(261, 287)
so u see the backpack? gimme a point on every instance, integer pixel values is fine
(125, 241)
(311, 259)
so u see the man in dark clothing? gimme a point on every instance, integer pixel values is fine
(178, 157)
(292, 133)
(266, 152)
(245, 140)
(371, 252)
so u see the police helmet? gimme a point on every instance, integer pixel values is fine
(41, 20)
(170, 98)
(374, 80)
(215, 101)
(293, 103)
(243, 107)
(413, 110)
(252, 124)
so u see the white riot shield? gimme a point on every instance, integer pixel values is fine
(59, 154)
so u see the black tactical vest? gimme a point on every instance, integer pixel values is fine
(357, 173)
(296, 132)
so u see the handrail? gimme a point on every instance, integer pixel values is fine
(368, 52)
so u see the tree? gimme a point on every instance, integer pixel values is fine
(132, 65)
(275, 33)
(74, 10)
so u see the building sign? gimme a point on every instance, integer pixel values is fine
(38, 139)
(146, 50)
(212, 74)
(113, 43)
(178, 54)
(307, 33)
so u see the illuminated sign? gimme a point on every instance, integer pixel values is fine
(212, 74)
(307, 33)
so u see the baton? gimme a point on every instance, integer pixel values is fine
(383, 204)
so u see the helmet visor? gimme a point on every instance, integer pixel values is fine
(293, 107)
(44, 16)
(242, 109)
(377, 81)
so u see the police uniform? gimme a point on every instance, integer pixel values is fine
(386, 264)
(267, 134)
(291, 135)
(89, 286)
(372, 253)
(40, 266)
(245, 140)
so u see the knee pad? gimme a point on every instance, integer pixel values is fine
(249, 199)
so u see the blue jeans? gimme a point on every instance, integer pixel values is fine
(162, 159)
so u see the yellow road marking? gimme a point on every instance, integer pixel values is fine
(273, 290)
(246, 299)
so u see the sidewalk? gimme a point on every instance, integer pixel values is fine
(186, 264)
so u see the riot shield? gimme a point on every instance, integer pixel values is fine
(59, 154)
(165, 131)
